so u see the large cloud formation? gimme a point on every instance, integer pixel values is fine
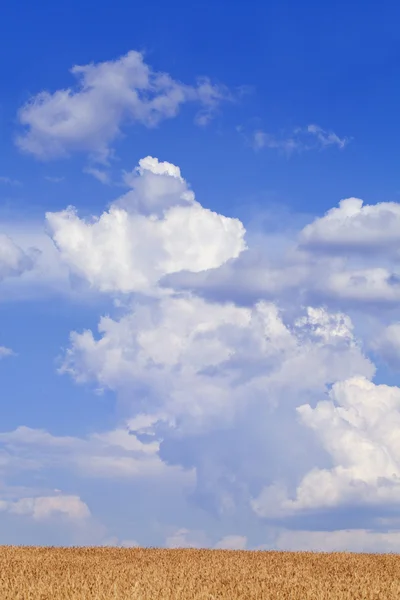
(246, 395)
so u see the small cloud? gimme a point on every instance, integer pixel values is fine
(327, 138)
(107, 97)
(6, 352)
(54, 179)
(260, 140)
(300, 139)
(10, 181)
(42, 508)
(98, 174)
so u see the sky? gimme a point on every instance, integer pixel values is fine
(199, 275)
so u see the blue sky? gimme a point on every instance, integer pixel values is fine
(199, 275)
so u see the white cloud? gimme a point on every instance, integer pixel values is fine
(326, 138)
(5, 352)
(359, 428)
(347, 258)
(108, 96)
(354, 226)
(42, 508)
(261, 139)
(113, 455)
(183, 347)
(224, 382)
(155, 229)
(209, 385)
(300, 139)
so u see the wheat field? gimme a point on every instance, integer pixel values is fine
(36, 573)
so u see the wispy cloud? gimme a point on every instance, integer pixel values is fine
(54, 179)
(300, 139)
(98, 174)
(9, 181)
(325, 138)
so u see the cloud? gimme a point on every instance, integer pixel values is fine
(220, 385)
(42, 508)
(326, 138)
(183, 346)
(387, 345)
(355, 227)
(98, 174)
(5, 352)
(300, 139)
(217, 355)
(156, 228)
(346, 259)
(34, 266)
(108, 96)
(54, 179)
(10, 181)
(13, 260)
(112, 455)
(358, 427)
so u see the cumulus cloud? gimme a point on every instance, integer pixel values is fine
(199, 360)
(156, 228)
(219, 356)
(108, 96)
(346, 259)
(358, 427)
(220, 385)
(355, 227)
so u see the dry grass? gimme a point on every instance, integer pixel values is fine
(151, 574)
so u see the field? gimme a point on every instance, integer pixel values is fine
(153, 574)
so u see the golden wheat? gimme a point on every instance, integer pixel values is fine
(34, 573)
